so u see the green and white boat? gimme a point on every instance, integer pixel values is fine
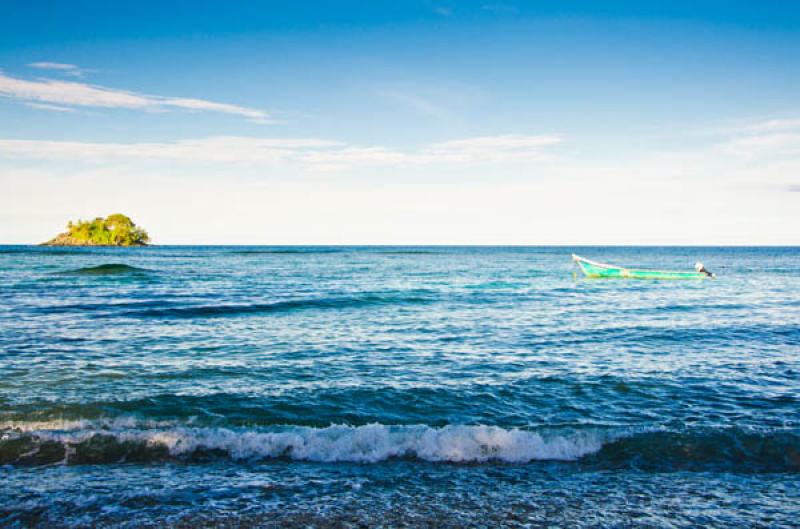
(594, 269)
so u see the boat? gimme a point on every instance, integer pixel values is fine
(594, 269)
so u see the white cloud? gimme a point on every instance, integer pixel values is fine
(428, 205)
(766, 140)
(774, 125)
(81, 94)
(755, 146)
(66, 69)
(220, 149)
(415, 102)
(313, 152)
(493, 148)
(770, 138)
(657, 198)
(46, 106)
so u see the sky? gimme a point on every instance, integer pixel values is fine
(404, 122)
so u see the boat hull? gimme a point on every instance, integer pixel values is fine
(594, 269)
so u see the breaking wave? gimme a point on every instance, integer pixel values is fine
(128, 440)
(73, 443)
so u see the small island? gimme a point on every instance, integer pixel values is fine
(114, 230)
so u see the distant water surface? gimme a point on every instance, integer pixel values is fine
(397, 386)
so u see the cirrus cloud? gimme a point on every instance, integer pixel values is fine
(67, 69)
(309, 152)
(71, 93)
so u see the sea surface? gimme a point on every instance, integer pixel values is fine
(397, 387)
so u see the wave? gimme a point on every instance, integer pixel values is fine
(343, 302)
(372, 443)
(127, 440)
(718, 448)
(107, 269)
(286, 251)
(98, 307)
(408, 252)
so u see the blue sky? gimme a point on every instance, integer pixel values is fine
(418, 122)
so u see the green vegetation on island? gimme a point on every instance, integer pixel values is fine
(114, 230)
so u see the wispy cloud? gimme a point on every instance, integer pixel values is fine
(772, 125)
(67, 69)
(768, 138)
(306, 152)
(509, 147)
(499, 8)
(46, 106)
(415, 102)
(765, 145)
(69, 93)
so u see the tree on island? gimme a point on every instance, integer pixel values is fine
(114, 230)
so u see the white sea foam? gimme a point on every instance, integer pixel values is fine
(116, 423)
(363, 444)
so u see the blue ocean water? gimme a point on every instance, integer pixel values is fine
(397, 386)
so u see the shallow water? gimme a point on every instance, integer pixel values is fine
(397, 386)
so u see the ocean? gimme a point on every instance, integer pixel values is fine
(397, 387)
